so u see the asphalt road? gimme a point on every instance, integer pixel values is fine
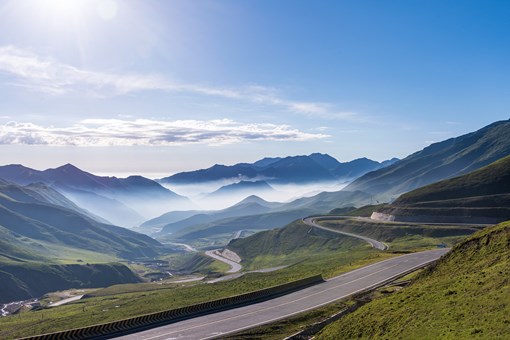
(234, 266)
(216, 325)
(312, 222)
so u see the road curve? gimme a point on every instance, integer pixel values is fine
(234, 266)
(217, 325)
(311, 221)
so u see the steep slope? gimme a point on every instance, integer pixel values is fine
(463, 297)
(268, 218)
(359, 167)
(482, 196)
(452, 157)
(176, 220)
(208, 217)
(39, 192)
(234, 224)
(28, 280)
(37, 236)
(293, 238)
(36, 221)
(129, 198)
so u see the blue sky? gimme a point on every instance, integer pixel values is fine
(156, 87)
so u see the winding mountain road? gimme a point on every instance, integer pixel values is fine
(312, 222)
(217, 325)
(234, 266)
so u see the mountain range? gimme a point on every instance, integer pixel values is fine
(41, 232)
(35, 226)
(293, 169)
(256, 213)
(446, 159)
(122, 201)
(481, 196)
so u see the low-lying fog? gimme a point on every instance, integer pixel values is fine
(200, 193)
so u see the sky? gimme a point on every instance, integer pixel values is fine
(157, 87)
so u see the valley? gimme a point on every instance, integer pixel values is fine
(179, 255)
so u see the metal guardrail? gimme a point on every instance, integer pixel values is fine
(130, 325)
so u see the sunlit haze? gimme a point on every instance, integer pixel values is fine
(159, 87)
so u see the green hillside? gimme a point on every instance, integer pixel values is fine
(26, 280)
(277, 216)
(446, 159)
(482, 195)
(314, 249)
(46, 245)
(465, 296)
(231, 225)
(28, 218)
(493, 179)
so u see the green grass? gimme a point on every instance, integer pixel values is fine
(290, 326)
(467, 295)
(402, 236)
(490, 180)
(120, 302)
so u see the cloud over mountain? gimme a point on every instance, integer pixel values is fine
(146, 132)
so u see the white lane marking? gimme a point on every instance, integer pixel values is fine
(286, 303)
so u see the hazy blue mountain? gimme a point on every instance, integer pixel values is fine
(266, 161)
(446, 159)
(215, 173)
(294, 169)
(111, 209)
(124, 201)
(176, 220)
(255, 213)
(481, 196)
(39, 192)
(156, 224)
(40, 226)
(246, 207)
(256, 199)
(241, 187)
(263, 221)
(325, 160)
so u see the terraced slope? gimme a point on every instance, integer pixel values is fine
(446, 159)
(480, 196)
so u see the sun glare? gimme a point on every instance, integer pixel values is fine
(65, 10)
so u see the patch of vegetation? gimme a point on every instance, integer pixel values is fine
(26, 280)
(403, 236)
(484, 193)
(466, 295)
(287, 327)
(119, 302)
(298, 242)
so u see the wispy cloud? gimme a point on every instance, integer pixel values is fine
(116, 132)
(51, 76)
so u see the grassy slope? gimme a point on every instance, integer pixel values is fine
(466, 295)
(438, 161)
(231, 225)
(329, 257)
(490, 180)
(277, 217)
(481, 193)
(314, 250)
(403, 236)
(21, 281)
(44, 245)
(119, 306)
